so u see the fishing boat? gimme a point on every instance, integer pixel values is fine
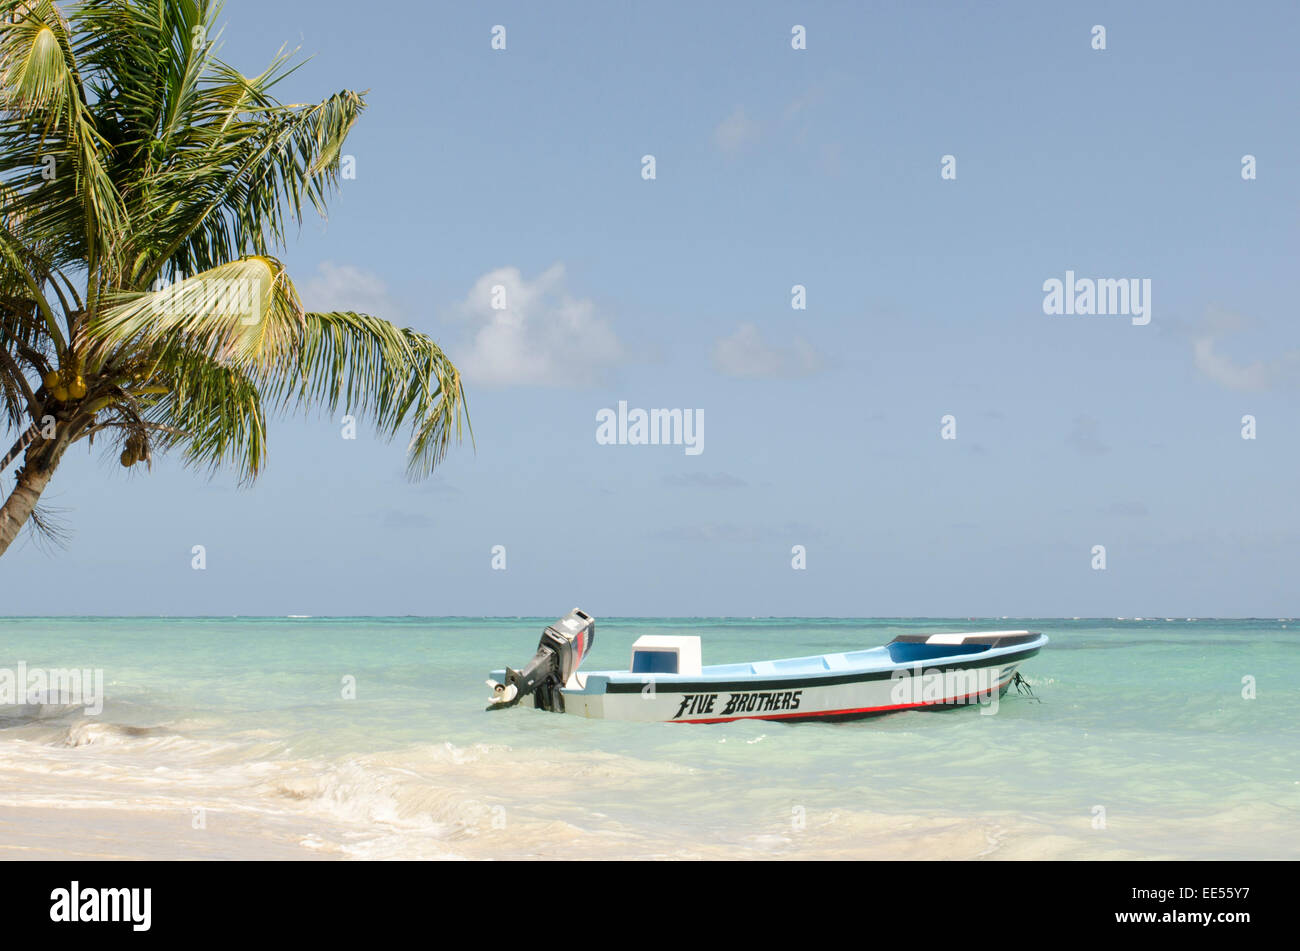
(667, 682)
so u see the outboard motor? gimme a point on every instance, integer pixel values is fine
(560, 651)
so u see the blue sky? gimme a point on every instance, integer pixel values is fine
(774, 167)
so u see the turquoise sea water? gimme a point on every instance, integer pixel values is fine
(1143, 744)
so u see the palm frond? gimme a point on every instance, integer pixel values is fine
(212, 412)
(245, 179)
(393, 376)
(131, 153)
(244, 314)
(45, 118)
(49, 529)
(34, 73)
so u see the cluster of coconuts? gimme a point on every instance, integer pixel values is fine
(65, 385)
(134, 451)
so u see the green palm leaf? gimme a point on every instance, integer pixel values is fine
(146, 188)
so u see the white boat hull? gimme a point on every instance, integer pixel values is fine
(913, 672)
(706, 703)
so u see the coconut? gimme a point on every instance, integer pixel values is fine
(77, 389)
(127, 458)
(51, 379)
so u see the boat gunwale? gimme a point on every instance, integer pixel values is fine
(623, 681)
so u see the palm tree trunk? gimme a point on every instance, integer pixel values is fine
(20, 504)
(17, 448)
(38, 468)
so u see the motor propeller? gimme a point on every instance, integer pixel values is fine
(559, 653)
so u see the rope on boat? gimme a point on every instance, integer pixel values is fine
(1023, 688)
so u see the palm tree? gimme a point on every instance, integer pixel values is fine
(145, 186)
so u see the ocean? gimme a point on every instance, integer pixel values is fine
(367, 738)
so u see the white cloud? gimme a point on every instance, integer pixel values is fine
(746, 354)
(542, 336)
(1259, 375)
(345, 287)
(801, 105)
(737, 132)
(1281, 369)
